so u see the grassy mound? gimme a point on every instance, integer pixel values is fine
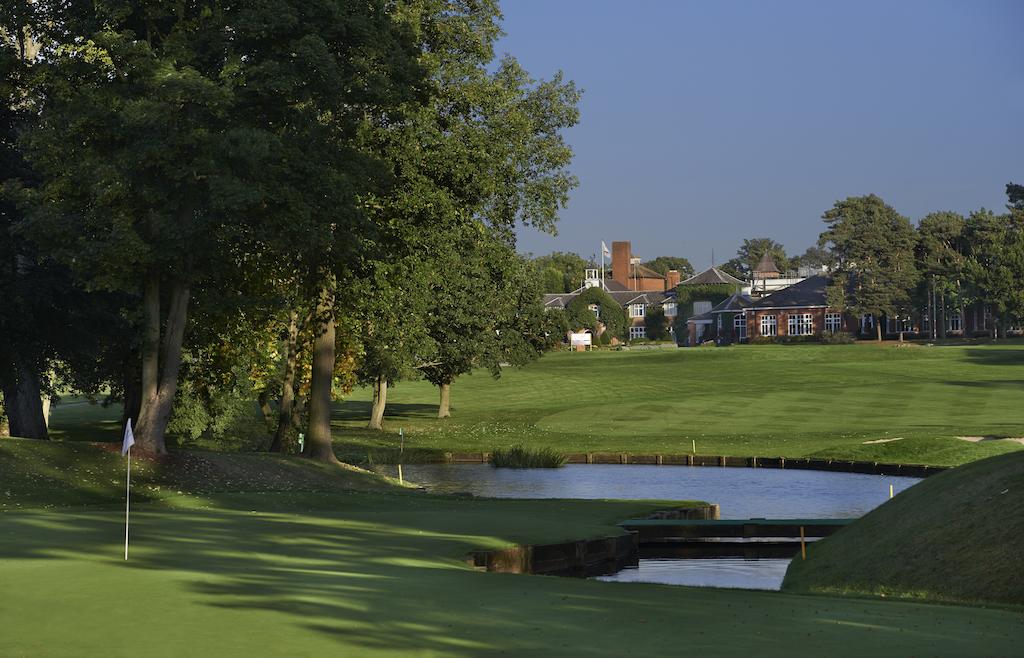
(953, 537)
(522, 457)
(45, 473)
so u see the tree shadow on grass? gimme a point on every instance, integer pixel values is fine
(358, 410)
(361, 573)
(996, 357)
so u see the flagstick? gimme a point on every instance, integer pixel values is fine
(127, 499)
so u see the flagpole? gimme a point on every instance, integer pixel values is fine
(602, 264)
(127, 500)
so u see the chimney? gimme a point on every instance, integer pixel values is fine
(671, 279)
(621, 253)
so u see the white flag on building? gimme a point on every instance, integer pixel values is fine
(604, 250)
(129, 438)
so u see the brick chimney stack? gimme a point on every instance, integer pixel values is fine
(671, 279)
(621, 253)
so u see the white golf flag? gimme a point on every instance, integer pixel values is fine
(604, 250)
(129, 438)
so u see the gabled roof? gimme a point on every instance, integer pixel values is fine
(732, 304)
(622, 297)
(806, 294)
(735, 303)
(712, 275)
(644, 272)
(766, 264)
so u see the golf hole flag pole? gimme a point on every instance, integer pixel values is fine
(126, 450)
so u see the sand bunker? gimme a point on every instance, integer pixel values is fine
(977, 439)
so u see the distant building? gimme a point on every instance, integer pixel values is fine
(636, 288)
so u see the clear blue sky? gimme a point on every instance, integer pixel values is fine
(707, 122)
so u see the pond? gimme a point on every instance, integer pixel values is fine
(742, 493)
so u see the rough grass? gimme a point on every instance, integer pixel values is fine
(522, 457)
(342, 571)
(34, 473)
(773, 400)
(953, 537)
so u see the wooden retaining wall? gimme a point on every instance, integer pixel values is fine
(840, 465)
(585, 557)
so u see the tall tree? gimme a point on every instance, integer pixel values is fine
(171, 137)
(941, 262)
(662, 264)
(814, 256)
(873, 248)
(995, 264)
(753, 249)
(562, 271)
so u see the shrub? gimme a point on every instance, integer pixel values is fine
(522, 457)
(837, 338)
(613, 317)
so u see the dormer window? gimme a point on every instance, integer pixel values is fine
(636, 310)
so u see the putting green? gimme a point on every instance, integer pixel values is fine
(371, 574)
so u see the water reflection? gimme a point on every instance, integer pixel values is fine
(760, 573)
(742, 493)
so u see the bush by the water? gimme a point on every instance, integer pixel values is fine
(521, 457)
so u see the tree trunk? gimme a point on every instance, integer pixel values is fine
(319, 444)
(380, 401)
(151, 338)
(46, 401)
(263, 400)
(132, 402)
(23, 405)
(286, 406)
(878, 329)
(444, 407)
(156, 409)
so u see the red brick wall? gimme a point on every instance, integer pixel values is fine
(782, 319)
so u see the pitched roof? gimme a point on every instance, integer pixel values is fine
(736, 302)
(807, 293)
(767, 264)
(622, 297)
(644, 272)
(712, 275)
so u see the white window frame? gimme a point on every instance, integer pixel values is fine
(638, 331)
(769, 325)
(636, 310)
(954, 322)
(739, 326)
(801, 324)
(671, 309)
(833, 322)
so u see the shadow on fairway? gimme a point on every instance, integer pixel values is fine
(996, 357)
(360, 410)
(363, 573)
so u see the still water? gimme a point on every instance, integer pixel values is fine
(742, 493)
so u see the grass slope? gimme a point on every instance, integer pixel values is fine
(363, 568)
(794, 401)
(955, 536)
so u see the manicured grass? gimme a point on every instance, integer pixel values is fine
(793, 401)
(282, 571)
(955, 537)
